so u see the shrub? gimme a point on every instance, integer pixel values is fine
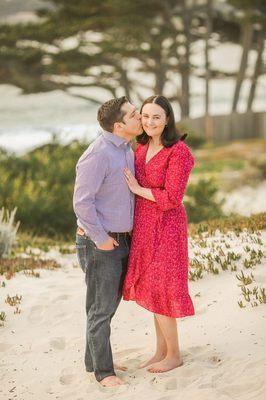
(260, 164)
(40, 184)
(202, 204)
(8, 231)
(193, 139)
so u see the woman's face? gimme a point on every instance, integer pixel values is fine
(153, 119)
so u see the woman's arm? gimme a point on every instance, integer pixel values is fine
(180, 164)
(171, 195)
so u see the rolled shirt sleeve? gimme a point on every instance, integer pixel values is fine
(180, 164)
(90, 174)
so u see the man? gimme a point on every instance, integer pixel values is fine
(104, 208)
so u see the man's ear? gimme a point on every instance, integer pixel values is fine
(118, 126)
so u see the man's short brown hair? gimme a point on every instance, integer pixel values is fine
(110, 112)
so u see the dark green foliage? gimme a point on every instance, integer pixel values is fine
(150, 31)
(128, 30)
(202, 204)
(193, 140)
(252, 5)
(40, 184)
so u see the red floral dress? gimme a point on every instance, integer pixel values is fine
(157, 277)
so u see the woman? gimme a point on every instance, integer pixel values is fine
(157, 277)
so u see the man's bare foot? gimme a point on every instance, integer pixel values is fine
(111, 381)
(156, 358)
(166, 365)
(120, 367)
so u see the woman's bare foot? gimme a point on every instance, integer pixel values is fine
(111, 381)
(166, 365)
(155, 359)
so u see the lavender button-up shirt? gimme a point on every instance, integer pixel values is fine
(102, 200)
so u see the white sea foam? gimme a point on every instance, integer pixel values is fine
(20, 141)
(30, 120)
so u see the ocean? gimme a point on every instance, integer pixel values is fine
(29, 121)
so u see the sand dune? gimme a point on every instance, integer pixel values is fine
(41, 349)
(246, 200)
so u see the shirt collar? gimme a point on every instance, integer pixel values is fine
(116, 140)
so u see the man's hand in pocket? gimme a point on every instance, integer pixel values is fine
(110, 244)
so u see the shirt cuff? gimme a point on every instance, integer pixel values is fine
(99, 239)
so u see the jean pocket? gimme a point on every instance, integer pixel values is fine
(82, 254)
(105, 251)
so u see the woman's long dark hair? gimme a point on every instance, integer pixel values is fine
(170, 134)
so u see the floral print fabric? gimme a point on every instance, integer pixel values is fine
(157, 277)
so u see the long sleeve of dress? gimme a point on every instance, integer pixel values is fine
(180, 164)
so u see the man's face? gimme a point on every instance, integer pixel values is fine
(131, 125)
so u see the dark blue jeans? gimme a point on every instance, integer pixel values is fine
(105, 271)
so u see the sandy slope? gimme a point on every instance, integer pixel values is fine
(41, 349)
(246, 200)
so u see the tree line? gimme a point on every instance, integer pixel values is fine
(108, 44)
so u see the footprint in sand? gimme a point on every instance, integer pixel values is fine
(60, 298)
(209, 359)
(194, 352)
(67, 376)
(215, 359)
(132, 364)
(126, 358)
(164, 383)
(165, 398)
(36, 314)
(58, 343)
(202, 354)
(124, 353)
(191, 371)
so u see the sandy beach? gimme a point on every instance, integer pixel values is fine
(41, 348)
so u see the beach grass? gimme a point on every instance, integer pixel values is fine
(10, 266)
(235, 223)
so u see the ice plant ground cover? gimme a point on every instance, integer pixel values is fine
(238, 253)
(222, 345)
(232, 246)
